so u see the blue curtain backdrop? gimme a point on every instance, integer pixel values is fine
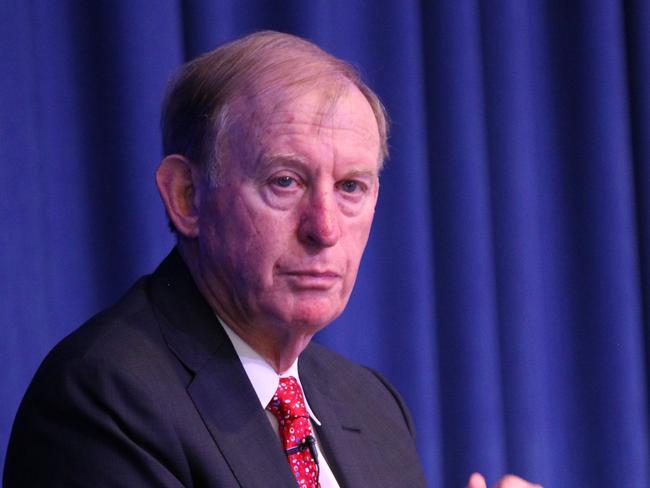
(506, 287)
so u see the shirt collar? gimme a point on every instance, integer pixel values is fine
(260, 373)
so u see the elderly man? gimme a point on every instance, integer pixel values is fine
(204, 374)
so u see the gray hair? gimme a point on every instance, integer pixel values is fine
(196, 112)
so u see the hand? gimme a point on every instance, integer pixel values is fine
(508, 481)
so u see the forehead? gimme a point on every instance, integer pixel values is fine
(338, 116)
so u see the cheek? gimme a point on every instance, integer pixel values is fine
(355, 244)
(359, 233)
(256, 242)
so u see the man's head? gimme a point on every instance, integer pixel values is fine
(197, 109)
(275, 236)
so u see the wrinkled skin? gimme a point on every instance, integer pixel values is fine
(279, 240)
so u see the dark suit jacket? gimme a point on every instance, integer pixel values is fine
(151, 393)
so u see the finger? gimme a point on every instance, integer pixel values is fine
(476, 480)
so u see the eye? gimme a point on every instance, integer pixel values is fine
(350, 186)
(283, 181)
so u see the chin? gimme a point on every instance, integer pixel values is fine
(314, 319)
(310, 322)
(307, 313)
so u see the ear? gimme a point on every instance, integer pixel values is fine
(176, 179)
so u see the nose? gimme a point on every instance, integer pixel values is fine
(319, 225)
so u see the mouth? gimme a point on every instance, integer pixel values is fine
(313, 279)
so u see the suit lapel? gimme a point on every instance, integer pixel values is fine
(231, 411)
(227, 403)
(340, 433)
(219, 389)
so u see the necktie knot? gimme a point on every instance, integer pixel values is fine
(288, 403)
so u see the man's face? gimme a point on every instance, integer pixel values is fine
(282, 235)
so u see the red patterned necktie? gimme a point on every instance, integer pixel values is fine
(288, 406)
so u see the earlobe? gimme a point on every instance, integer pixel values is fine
(175, 182)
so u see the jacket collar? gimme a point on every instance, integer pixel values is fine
(219, 387)
(340, 432)
(226, 400)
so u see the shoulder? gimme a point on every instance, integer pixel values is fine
(126, 335)
(101, 396)
(117, 358)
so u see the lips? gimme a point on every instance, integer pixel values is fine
(314, 273)
(312, 279)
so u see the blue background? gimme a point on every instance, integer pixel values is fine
(505, 289)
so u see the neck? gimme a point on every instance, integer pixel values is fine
(280, 354)
(277, 344)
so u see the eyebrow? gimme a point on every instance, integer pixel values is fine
(283, 158)
(298, 160)
(360, 173)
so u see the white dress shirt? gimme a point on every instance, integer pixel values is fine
(265, 382)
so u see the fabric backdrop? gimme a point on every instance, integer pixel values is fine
(506, 287)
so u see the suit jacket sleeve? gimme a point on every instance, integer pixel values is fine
(89, 423)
